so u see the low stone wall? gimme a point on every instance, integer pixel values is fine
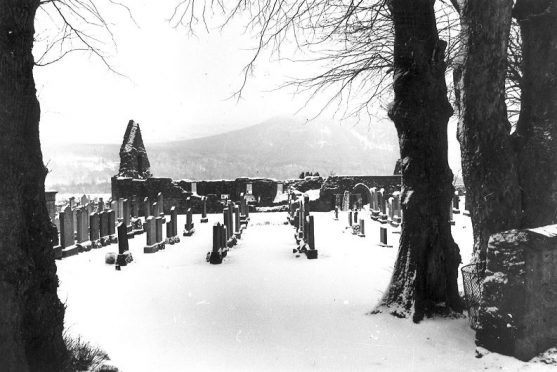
(264, 190)
(518, 306)
(339, 184)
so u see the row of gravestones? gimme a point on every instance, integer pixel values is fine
(226, 235)
(303, 222)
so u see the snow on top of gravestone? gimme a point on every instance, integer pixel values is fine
(549, 231)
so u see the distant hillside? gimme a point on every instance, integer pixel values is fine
(278, 148)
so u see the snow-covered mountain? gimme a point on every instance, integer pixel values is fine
(279, 148)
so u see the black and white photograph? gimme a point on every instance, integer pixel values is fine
(278, 185)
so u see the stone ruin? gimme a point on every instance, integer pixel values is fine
(133, 157)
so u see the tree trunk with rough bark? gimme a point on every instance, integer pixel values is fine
(424, 280)
(510, 179)
(488, 160)
(31, 315)
(536, 134)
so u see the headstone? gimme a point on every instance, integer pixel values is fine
(346, 201)
(94, 228)
(155, 209)
(451, 219)
(280, 188)
(381, 198)
(194, 188)
(456, 203)
(374, 203)
(204, 218)
(150, 227)
(518, 305)
(336, 213)
(126, 213)
(100, 205)
(397, 211)
(146, 208)
(135, 206)
(355, 216)
(111, 214)
(103, 217)
(189, 227)
(383, 238)
(123, 247)
(72, 202)
(160, 203)
(249, 188)
(120, 209)
(215, 256)
(82, 225)
(159, 221)
(350, 219)
(66, 231)
(237, 229)
(362, 232)
(84, 200)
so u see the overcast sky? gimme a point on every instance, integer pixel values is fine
(176, 86)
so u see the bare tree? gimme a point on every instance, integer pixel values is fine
(364, 44)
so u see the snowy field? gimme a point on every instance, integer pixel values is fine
(263, 309)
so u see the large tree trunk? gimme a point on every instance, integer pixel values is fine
(536, 132)
(31, 315)
(488, 159)
(424, 280)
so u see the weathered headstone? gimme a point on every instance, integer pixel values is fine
(350, 218)
(146, 208)
(189, 228)
(518, 306)
(456, 203)
(237, 228)
(362, 232)
(95, 230)
(160, 203)
(120, 209)
(381, 197)
(311, 253)
(346, 201)
(194, 188)
(397, 215)
(152, 245)
(123, 247)
(66, 231)
(159, 221)
(135, 206)
(336, 213)
(103, 217)
(383, 238)
(204, 218)
(249, 188)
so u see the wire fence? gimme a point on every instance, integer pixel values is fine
(472, 278)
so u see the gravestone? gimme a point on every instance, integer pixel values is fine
(135, 207)
(160, 221)
(249, 188)
(66, 231)
(397, 211)
(112, 226)
(103, 218)
(204, 218)
(374, 204)
(336, 213)
(346, 201)
(383, 238)
(123, 247)
(237, 228)
(451, 218)
(280, 187)
(194, 188)
(311, 253)
(189, 228)
(160, 203)
(362, 232)
(456, 203)
(100, 205)
(518, 305)
(381, 198)
(216, 255)
(155, 210)
(95, 230)
(150, 227)
(84, 200)
(350, 218)
(120, 209)
(146, 208)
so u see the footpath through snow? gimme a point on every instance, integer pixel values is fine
(263, 308)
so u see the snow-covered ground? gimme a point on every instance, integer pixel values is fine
(263, 308)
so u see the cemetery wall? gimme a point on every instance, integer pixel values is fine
(339, 184)
(264, 190)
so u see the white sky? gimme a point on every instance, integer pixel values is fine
(177, 86)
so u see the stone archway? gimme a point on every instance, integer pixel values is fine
(364, 191)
